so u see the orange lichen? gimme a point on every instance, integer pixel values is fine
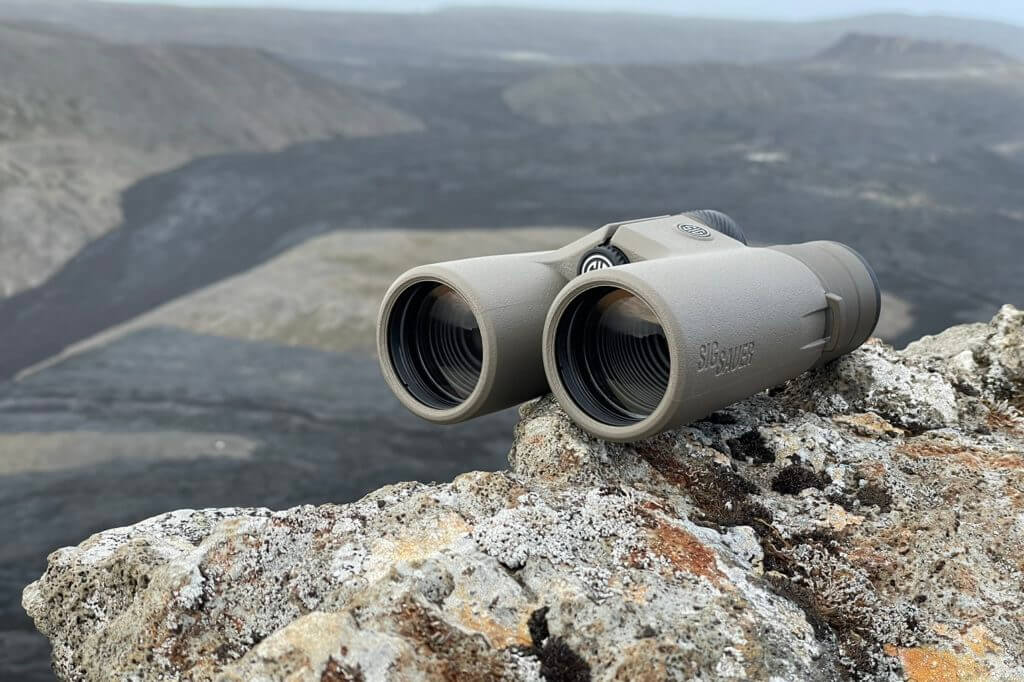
(869, 425)
(569, 459)
(444, 651)
(498, 635)
(685, 552)
(839, 519)
(963, 577)
(972, 458)
(418, 544)
(413, 544)
(652, 508)
(643, 661)
(1002, 421)
(637, 593)
(491, 485)
(1015, 496)
(979, 640)
(871, 471)
(869, 557)
(535, 440)
(927, 664)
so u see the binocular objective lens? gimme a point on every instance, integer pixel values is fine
(612, 356)
(435, 345)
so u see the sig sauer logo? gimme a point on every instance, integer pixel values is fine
(722, 360)
(696, 231)
(596, 261)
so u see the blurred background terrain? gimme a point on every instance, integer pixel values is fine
(200, 209)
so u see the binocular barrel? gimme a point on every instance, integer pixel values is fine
(636, 328)
(461, 339)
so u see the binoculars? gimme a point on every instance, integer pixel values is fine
(638, 327)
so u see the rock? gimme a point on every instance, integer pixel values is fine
(865, 521)
(986, 358)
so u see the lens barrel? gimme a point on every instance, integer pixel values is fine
(638, 349)
(461, 339)
(613, 356)
(435, 345)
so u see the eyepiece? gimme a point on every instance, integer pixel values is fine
(612, 356)
(435, 345)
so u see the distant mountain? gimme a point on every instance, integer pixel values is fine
(183, 97)
(81, 119)
(463, 34)
(844, 73)
(620, 94)
(905, 56)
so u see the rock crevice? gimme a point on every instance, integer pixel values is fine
(865, 521)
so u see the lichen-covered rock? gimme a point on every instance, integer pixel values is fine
(984, 358)
(865, 521)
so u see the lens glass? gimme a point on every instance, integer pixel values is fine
(435, 345)
(613, 356)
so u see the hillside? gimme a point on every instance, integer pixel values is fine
(80, 120)
(826, 83)
(466, 34)
(621, 94)
(182, 97)
(293, 300)
(896, 177)
(893, 55)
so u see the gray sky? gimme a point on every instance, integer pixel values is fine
(1006, 10)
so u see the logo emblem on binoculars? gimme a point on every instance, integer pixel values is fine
(601, 257)
(695, 231)
(596, 261)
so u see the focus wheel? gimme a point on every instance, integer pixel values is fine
(601, 257)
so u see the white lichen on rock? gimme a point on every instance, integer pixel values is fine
(865, 521)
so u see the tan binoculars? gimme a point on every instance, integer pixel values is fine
(638, 327)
